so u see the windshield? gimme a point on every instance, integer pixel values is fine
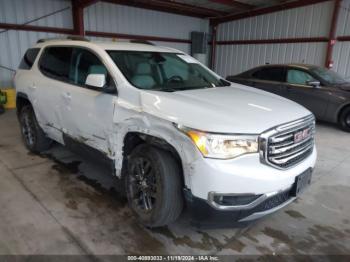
(328, 76)
(164, 71)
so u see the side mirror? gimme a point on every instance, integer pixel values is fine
(314, 83)
(96, 80)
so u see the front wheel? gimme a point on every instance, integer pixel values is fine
(33, 136)
(153, 186)
(344, 119)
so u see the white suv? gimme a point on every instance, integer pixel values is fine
(176, 133)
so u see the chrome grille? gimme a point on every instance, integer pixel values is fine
(286, 145)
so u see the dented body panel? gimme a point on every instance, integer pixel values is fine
(103, 120)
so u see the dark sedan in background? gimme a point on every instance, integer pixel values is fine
(322, 91)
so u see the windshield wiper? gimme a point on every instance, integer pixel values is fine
(173, 89)
(167, 89)
(223, 83)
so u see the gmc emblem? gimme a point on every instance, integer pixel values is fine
(302, 135)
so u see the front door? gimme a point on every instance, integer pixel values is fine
(313, 98)
(88, 113)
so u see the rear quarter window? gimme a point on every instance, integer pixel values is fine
(276, 74)
(29, 58)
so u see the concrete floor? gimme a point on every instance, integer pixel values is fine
(59, 203)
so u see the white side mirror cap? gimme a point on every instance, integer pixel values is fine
(96, 80)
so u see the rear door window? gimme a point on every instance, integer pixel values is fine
(29, 58)
(276, 74)
(55, 62)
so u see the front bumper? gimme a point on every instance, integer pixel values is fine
(204, 214)
(245, 176)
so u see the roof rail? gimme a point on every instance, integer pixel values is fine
(136, 41)
(73, 38)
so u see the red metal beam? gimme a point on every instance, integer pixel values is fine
(137, 37)
(85, 3)
(266, 10)
(274, 41)
(343, 38)
(234, 4)
(91, 33)
(78, 17)
(37, 28)
(332, 34)
(213, 47)
(170, 7)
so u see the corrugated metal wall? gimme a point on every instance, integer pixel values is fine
(13, 44)
(106, 17)
(341, 58)
(309, 21)
(22, 11)
(341, 53)
(233, 59)
(102, 17)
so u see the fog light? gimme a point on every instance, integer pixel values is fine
(235, 200)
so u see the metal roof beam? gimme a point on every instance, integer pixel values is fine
(35, 28)
(265, 10)
(171, 7)
(234, 4)
(84, 3)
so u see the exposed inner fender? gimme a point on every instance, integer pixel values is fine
(153, 130)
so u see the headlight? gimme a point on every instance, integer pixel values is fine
(222, 146)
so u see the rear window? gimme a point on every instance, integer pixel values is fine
(55, 62)
(29, 58)
(271, 74)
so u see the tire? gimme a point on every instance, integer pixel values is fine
(33, 136)
(344, 119)
(153, 186)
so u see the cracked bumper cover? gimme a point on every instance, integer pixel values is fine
(202, 213)
(209, 212)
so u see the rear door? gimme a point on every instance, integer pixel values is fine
(270, 79)
(49, 85)
(313, 98)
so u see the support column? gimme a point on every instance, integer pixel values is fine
(213, 46)
(78, 18)
(332, 34)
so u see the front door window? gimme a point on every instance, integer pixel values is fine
(298, 77)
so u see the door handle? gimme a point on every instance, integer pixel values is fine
(32, 86)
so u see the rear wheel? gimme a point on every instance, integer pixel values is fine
(344, 119)
(153, 186)
(33, 136)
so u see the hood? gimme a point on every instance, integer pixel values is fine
(232, 109)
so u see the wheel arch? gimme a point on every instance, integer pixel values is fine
(341, 110)
(21, 101)
(133, 138)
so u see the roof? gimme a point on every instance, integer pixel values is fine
(135, 47)
(299, 65)
(127, 46)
